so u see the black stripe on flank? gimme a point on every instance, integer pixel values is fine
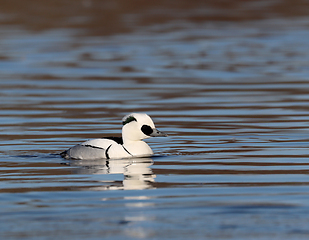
(93, 147)
(127, 150)
(147, 130)
(106, 152)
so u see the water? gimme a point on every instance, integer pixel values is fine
(233, 95)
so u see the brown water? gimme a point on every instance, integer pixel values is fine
(227, 80)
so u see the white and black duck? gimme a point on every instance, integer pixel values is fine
(136, 127)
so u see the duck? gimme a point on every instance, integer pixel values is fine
(136, 127)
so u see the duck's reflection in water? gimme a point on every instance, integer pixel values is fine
(137, 172)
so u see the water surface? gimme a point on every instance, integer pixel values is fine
(233, 96)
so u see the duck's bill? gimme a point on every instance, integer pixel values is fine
(157, 133)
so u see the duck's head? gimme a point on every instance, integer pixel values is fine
(138, 126)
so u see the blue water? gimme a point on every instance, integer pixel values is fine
(233, 97)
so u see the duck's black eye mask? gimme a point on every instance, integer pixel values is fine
(147, 130)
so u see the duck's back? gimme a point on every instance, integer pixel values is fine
(92, 149)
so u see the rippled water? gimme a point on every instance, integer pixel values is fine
(233, 97)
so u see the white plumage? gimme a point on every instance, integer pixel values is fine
(136, 127)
